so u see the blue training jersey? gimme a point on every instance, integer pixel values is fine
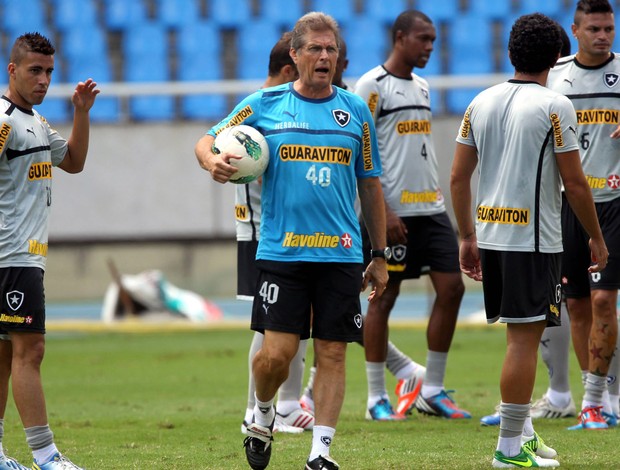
(318, 148)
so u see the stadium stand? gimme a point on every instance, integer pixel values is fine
(283, 13)
(253, 53)
(362, 53)
(175, 14)
(470, 42)
(490, 9)
(197, 40)
(69, 14)
(385, 11)
(230, 14)
(120, 14)
(342, 10)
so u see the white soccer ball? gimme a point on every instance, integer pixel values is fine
(248, 143)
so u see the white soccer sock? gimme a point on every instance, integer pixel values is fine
(264, 412)
(559, 399)
(322, 437)
(375, 375)
(435, 372)
(286, 407)
(45, 454)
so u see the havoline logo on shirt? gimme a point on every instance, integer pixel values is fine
(314, 240)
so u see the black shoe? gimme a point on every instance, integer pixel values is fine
(322, 462)
(258, 445)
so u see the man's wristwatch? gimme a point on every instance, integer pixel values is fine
(386, 253)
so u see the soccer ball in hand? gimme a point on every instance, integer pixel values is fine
(248, 143)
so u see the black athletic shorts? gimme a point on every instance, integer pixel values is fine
(287, 293)
(247, 272)
(577, 281)
(521, 287)
(22, 300)
(431, 246)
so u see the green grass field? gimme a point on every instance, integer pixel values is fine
(174, 399)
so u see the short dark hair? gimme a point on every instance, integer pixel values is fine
(534, 43)
(405, 21)
(588, 7)
(30, 42)
(566, 45)
(280, 55)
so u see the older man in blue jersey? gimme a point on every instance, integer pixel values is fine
(323, 150)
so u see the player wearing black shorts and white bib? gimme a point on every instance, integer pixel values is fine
(590, 79)
(419, 232)
(521, 136)
(29, 149)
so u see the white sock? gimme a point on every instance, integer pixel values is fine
(559, 399)
(286, 407)
(528, 427)
(322, 437)
(45, 454)
(375, 375)
(264, 412)
(509, 446)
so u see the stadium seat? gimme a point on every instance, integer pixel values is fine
(284, 13)
(253, 54)
(470, 42)
(385, 12)
(197, 64)
(145, 38)
(492, 9)
(74, 13)
(84, 41)
(547, 7)
(230, 14)
(120, 14)
(97, 67)
(176, 13)
(363, 54)
(150, 68)
(23, 16)
(201, 38)
(443, 11)
(341, 10)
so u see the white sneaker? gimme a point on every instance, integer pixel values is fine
(542, 408)
(280, 426)
(9, 463)
(298, 418)
(59, 462)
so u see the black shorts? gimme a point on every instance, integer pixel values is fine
(22, 300)
(431, 246)
(247, 272)
(521, 287)
(577, 281)
(297, 297)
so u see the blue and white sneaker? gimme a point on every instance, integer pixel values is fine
(490, 420)
(59, 462)
(383, 411)
(442, 405)
(9, 463)
(591, 418)
(611, 419)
